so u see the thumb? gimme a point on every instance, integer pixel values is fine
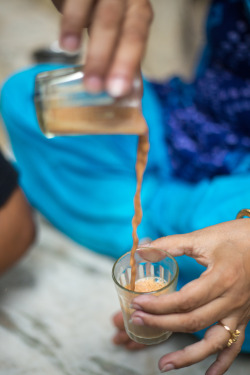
(190, 244)
(176, 245)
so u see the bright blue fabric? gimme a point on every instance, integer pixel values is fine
(85, 185)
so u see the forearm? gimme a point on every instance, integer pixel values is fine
(17, 229)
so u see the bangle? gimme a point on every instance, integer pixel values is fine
(242, 213)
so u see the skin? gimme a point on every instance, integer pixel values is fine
(118, 34)
(17, 229)
(221, 293)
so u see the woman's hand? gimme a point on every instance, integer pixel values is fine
(118, 35)
(221, 293)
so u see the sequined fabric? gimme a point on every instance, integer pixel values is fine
(207, 123)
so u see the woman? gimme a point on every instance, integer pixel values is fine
(197, 175)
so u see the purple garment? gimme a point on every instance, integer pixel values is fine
(207, 123)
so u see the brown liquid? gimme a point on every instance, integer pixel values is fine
(148, 284)
(93, 120)
(142, 157)
(144, 334)
(105, 120)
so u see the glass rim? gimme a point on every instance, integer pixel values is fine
(153, 291)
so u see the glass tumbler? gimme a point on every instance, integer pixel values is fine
(152, 265)
(65, 107)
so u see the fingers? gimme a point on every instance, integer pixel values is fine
(215, 340)
(129, 53)
(189, 322)
(176, 245)
(118, 321)
(151, 254)
(132, 345)
(118, 37)
(193, 295)
(227, 356)
(107, 21)
(75, 16)
(121, 337)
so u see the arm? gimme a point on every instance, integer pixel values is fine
(17, 229)
(221, 293)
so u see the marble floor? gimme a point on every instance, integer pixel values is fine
(56, 305)
(55, 317)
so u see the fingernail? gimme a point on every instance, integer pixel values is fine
(135, 306)
(137, 321)
(168, 367)
(146, 244)
(118, 87)
(70, 42)
(93, 84)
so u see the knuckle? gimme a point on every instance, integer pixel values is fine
(217, 346)
(72, 21)
(135, 34)
(228, 279)
(108, 16)
(194, 324)
(186, 301)
(148, 13)
(187, 304)
(144, 10)
(240, 300)
(138, 22)
(157, 323)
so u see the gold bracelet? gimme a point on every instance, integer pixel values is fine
(242, 213)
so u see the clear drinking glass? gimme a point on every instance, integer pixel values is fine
(64, 107)
(151, 264)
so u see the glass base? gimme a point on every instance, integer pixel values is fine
(149, 340)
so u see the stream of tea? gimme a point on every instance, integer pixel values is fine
(59, 120)
(141, 162)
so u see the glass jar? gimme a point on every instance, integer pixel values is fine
(157, 274)
(64, 107)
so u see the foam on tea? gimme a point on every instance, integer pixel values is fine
(148, 284)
